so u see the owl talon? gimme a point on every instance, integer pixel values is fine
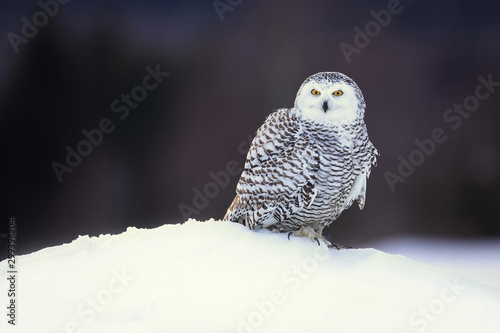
(309, 232)
(340, 247)
(331, 243)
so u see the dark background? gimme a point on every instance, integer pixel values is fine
(225, 78)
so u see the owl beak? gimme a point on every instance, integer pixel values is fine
(325, 106)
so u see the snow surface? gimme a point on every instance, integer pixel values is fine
(478, 259)
(221, 277)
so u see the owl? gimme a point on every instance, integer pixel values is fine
(308, 163)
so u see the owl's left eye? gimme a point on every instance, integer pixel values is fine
(338, 92)
(315, 92)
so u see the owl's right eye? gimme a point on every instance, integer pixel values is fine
(315, 92)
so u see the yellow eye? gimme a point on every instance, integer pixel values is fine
(315, 92)
(338, 92)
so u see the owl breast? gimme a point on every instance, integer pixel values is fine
(334, 178)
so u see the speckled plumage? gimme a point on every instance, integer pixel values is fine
(308, 163)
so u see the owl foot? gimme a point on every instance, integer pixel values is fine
(307, 231)
(336, 246)
(315, 238)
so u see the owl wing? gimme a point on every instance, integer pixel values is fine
(364, 156)
(279, 174)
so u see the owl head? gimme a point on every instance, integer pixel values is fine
(330, 98)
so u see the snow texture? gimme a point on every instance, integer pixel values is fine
(221, 277)
(477, 259)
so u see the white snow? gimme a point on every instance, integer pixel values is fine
(221, 277)
(478, 259)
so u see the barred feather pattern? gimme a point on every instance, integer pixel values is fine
(301, 172)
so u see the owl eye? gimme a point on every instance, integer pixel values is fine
(338, 92)
(315, 92)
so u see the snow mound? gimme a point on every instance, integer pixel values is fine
(221, 277)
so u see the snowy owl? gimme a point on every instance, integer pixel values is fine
(308, 163)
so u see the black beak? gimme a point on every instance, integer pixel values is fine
(325, 106)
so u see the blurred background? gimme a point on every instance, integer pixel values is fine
(230, 64)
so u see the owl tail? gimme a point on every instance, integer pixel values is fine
(238, 213)
(231, 213)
